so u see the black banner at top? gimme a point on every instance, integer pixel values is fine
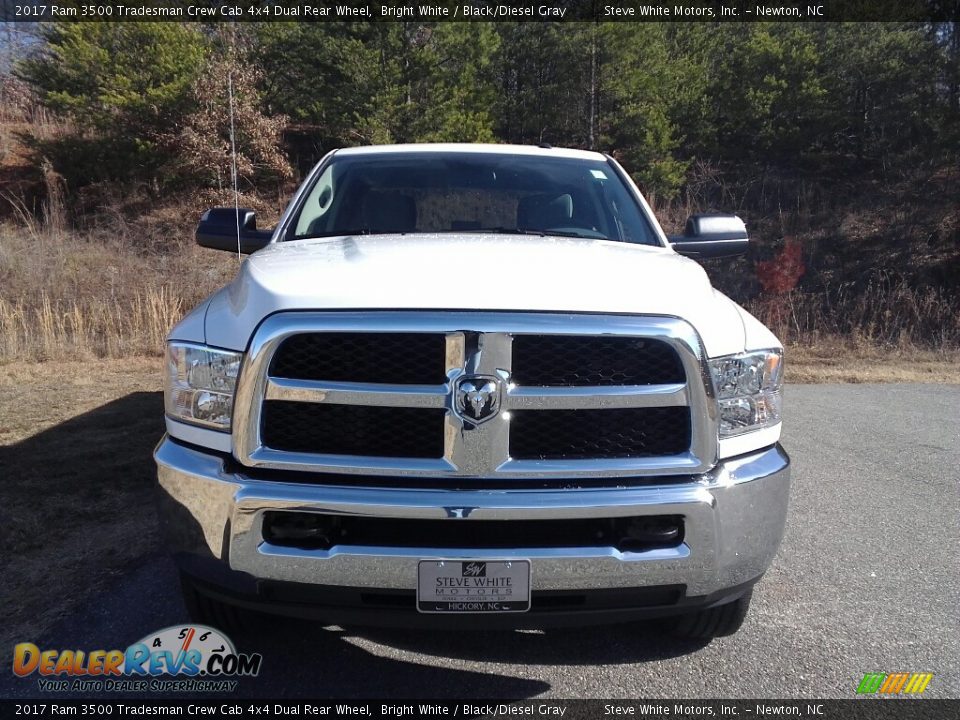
(481, 10)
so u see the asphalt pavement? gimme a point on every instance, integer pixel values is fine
(867, 580)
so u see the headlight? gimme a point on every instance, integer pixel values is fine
(748, 389)
(199, 384)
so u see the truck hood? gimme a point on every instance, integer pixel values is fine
(471, 272)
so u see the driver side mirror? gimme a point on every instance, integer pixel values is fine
(712, 235)
(218, 230)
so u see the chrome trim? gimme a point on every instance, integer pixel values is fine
(597, 397)
(750, 442)
(682, 464)
(196, 435)
(479, 450)
(345, 393)
(471, 449)
(734, 518)
(553, 568)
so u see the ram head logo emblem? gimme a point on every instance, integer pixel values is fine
(477, 398)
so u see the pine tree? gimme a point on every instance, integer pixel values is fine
(122, 86)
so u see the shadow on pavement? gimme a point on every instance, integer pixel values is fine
(77, 507)
(80, 469)
(598, 645)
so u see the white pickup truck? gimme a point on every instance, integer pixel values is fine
(472, 385)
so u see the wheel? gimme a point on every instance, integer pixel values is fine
(714, 622)
(206, 610)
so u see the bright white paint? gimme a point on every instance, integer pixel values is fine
(451, 271)
(531, 150)
(464, 271)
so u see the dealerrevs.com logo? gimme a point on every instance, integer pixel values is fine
(184, 658)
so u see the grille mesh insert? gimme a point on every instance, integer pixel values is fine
(395, 358)
(565, 360)
(581, 434)
(353, 429)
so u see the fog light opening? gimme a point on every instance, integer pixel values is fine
(647, 533)
(306, 530)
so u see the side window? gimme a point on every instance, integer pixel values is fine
(317, 205)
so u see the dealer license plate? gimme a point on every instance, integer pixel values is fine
(473, 586)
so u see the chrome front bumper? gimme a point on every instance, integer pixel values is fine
(733, 518)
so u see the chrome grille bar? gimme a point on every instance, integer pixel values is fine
(596, 398)
(480, 450)
(344, 393)
(476, 344)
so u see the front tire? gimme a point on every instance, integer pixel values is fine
(714, 622)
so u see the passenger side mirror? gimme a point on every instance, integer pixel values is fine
(711, 236)
(218, 230)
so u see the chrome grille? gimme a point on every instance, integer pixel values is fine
(651, 416)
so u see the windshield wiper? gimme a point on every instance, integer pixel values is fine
(505, 231)
(589, 234)
(565, 232)
(335, 233)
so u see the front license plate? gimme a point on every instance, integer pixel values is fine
(473, 586)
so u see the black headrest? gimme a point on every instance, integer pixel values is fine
(385, 211)
(541, 212)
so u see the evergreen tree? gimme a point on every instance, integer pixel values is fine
(543, 76)
(122, 86)
(637, 89)
(323, 75)
(886, 100)
(458, 91)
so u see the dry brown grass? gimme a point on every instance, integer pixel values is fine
(113, 288)
(877, 263)
(71, 296)
(64, 389)
(839, 360)
(104, 271)
(882, 314)
(85, 329)
(100, 295)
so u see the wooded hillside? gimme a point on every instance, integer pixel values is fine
(837, 142)
(149, 101)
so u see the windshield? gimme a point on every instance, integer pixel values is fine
(471, 192)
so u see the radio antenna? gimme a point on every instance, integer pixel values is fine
(233, 158)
